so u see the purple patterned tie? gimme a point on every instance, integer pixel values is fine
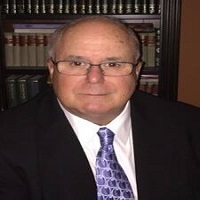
(112, 183)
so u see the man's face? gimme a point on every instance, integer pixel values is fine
(94, 97)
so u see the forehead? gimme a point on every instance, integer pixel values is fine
(95, 37)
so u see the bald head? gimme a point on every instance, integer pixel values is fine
(95, 28)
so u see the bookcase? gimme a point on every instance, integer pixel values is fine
(25, 26)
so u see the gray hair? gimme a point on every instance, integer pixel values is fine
(57, 35)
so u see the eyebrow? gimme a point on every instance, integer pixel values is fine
(74, 57)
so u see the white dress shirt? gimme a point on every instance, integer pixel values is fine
(123, 141)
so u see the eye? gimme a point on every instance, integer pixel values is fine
(113, 65)
(77, 63)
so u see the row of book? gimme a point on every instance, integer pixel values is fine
(149, 84)
(81, 6)
(28, 44)
(26, 49)
(21, 88)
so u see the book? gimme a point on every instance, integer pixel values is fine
(81, 6)
(16, 50)
(144, 6)
(5, 7)
(152, 7)
(58, 6)
(35, 28)
(128, 7)
(22, 84)
(12, 7)
(28, 6)
(66, 6)
(35, 6)
(104, 6)
(113, 6)
(49, 6)
(11, 90)
(97, 7)
(40, 50)
(8, 41)
(157, 50)
(74, 7)
(89, 7)
(120, 6)
(37, 84)
(151, 48)
(20, 7)
(23, 49)
(137, 6)
(32, 50)
(42, 7)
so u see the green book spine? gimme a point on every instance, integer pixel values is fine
(11, 91)
(66, 6)
(104, 6)
(20, 6)
(58, 7)
(22, 88)
(5, 7)
(120, 6)
(128, 7)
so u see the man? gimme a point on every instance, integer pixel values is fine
(49, 146)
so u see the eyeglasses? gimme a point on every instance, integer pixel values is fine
(80, 68)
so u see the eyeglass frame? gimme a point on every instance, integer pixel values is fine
(55, 63)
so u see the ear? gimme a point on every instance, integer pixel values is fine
(51, 68)
(138, 69)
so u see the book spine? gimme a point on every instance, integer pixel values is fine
(58, 7)
(9, 57)
(81, 6)
(28, 7)
(89, 8)
(20, 6)
(40, 49)
(113, 6)
(157, 53)
(120, 6)
(152, 7)
(12, 6)
(144, 7)
(22, 89)
(35, 6)
(143, 38)
(24, 49)
(74, 7)
(97, 7)
(151, 46)
(66, 6)
(32, 50)
(49, 6)
(104, 6)
(5, 7)
(128, 7)
(11, 91)
(46, 55)
(37, 84)
(16, 50)
(42, 7)
(137, 6)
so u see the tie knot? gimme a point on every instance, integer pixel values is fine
(106, 136)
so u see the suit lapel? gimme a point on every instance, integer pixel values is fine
(64, 170)
(152, 155)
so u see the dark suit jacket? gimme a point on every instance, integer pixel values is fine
(41, 158)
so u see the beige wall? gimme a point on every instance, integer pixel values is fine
(189, 65)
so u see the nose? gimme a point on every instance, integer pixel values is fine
(95, 74)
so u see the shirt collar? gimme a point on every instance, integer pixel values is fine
(121, 125)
